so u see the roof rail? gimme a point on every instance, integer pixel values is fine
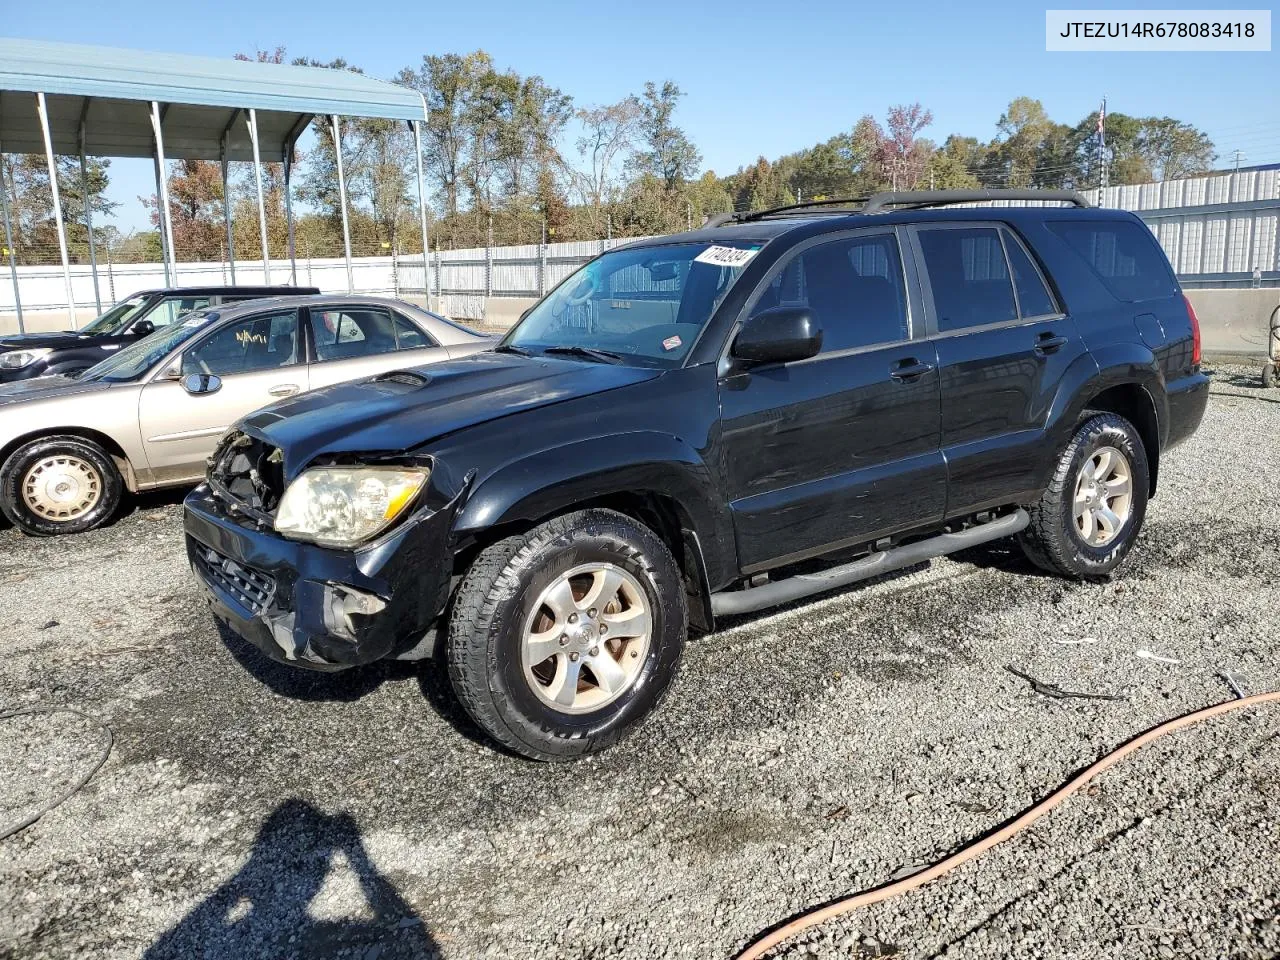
(791, 208)
(938, 198)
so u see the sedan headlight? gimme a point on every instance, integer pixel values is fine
(17, 359)
(344, 506)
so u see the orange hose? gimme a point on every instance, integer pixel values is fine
(972, 851)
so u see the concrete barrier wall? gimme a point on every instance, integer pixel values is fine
(1231, 321)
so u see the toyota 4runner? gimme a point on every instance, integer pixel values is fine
(775, 405)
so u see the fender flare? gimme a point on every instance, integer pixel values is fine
(550, 481)
(1113, 365)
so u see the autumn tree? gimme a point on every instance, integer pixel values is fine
(666, 152)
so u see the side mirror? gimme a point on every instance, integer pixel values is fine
(143, 328)
(779, 335)
(198, 384)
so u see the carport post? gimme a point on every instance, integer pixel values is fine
(162, 195)
(43, 109)
(226, 198)
(262, 207)
(342, 198)
(88, 209)
(422, 210)
(288, 214)
(8, 242)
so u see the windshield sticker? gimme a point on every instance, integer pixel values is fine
(671, 343)
(196, 320)
(725, 256)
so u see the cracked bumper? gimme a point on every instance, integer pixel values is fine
(315, 607)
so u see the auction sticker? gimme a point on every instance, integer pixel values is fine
(725, 256)
(671, 343)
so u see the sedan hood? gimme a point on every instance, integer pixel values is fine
(47, 388)
(401, 411)
(32, 341)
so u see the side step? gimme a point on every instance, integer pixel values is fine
(895, 558)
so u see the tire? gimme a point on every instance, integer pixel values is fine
(513, 591)
(81, 482)
(1055, 540)
(1268, 375)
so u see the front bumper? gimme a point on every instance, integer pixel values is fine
(316, 607)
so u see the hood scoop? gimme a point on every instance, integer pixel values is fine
(408, 378)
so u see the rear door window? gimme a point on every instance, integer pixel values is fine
(1122, 254)
(969, 277)
(352, 332)
(1034, 299)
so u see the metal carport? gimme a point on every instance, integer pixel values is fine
(62, 98)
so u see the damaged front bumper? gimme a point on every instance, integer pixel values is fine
(317, 607)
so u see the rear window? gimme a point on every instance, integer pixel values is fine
(968, 277)
(1122, 254)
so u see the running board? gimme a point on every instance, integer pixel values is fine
(895, 558)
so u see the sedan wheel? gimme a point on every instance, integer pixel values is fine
(62, 488)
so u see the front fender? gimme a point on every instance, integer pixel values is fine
(553, 480)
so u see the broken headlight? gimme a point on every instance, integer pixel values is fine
(344, 506)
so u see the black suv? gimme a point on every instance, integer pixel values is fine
(772, 406)
(68, 352)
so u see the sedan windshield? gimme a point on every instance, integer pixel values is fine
(115, 318)
(135, 360)
(640, 306)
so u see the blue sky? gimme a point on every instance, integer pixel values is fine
(760, 78)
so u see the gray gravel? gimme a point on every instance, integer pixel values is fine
(249, 810)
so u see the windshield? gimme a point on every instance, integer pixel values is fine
(137, 358)
(643, 306)
(115, 318)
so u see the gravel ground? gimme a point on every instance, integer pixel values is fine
(248, 810)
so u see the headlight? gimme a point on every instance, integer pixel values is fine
(343, 506)
(17, 359)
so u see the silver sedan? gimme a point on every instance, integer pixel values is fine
(150, 415)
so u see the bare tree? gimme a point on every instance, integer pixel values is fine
(607, 143)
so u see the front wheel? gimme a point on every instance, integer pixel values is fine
(564, 638)
(1086, 521)
(59, 485)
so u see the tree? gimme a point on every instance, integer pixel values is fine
(607, 142)
(1174, 149)
(31, 205)
(195, 210)
(666, 152)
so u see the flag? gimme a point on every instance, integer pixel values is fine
(1102, 116)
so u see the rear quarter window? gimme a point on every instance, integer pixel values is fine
(1122, 254)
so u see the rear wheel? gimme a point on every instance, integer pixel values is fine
(564, 638)
(59, 485)
(1086, 521)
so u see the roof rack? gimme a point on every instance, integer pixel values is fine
(910, 199)
(791, 209)
(914, 199)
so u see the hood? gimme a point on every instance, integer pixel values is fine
(402, 411)
(47, 388)
(27, 341)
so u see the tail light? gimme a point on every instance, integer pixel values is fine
(1195, 332)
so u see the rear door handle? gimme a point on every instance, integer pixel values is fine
(283, 390)
(1047, 343)
(905, 371)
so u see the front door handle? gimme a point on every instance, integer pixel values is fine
(1047, 343)
(283, 390)
(909, 370)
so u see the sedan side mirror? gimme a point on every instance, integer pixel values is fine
(198, 384)
(143, 328)
(779, 335)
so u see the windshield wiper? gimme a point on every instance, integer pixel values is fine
(589, 353)
(510, 348)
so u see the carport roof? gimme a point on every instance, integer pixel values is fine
(111, 91)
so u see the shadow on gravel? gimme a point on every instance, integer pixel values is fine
(1004, 555)
(299, 684)
(262, 911)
